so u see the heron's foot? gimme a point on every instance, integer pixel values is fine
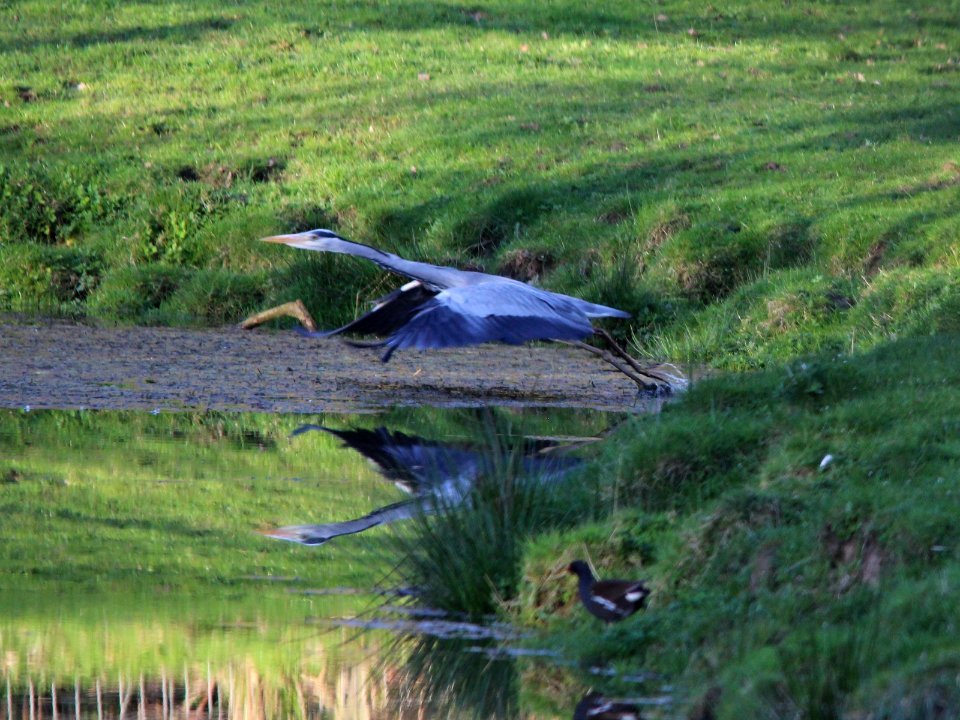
(295, 309)
(667, 377)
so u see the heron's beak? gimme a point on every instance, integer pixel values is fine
(294, 240)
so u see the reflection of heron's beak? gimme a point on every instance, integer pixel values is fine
(295, 239)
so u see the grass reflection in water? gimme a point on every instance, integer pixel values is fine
(132, 581)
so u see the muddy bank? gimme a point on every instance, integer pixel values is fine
(57, 364)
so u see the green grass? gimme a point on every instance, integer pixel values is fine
(796, 589)
(751, 181)
(129, 546)
(755, 182)
(139, 502)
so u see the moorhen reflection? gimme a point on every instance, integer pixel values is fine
(435, 473)
(609, 600)
(594, 706)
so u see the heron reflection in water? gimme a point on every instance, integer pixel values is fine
(445, 307)
(436, 474)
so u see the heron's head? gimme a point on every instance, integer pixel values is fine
(310, 239)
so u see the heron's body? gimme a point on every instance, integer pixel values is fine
(446, 307)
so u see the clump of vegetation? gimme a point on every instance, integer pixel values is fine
(47, 206)
(137, 293)
(465, 557)
(53, 279)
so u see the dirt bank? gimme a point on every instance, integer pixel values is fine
(56, 364)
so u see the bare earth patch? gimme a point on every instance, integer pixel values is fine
(56, 364)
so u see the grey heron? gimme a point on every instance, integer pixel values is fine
(436, 474)
(445, 307)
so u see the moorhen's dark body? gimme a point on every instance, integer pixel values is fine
(594, 706)
(609, 600)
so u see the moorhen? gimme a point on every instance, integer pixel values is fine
(609, 600)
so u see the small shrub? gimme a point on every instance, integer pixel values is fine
(168, 229)
(47, 206)
(47, 275)
(134, 294)
(217, 297)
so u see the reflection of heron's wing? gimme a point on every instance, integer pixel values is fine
(549, 467)
(413, 463)
(319, 534)
(509, 312)
(594, 706)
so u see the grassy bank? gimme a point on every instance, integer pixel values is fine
(800, 586)
(755, 182)
(751, 181)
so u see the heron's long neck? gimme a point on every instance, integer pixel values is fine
(435, 275)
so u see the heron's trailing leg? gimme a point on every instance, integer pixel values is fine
(632, 361)
(638, 378)
(644, 376)
(295, 309)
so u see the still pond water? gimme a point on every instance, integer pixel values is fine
(136, 581)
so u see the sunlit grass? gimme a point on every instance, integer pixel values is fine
(128, 500)
(797, 529)
(775, 164)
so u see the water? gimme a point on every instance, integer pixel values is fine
(134, 583)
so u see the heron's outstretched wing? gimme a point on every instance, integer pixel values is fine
(509, 312)
(390, 313)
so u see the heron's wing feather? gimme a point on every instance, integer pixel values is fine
(512, 313)
(390, 313)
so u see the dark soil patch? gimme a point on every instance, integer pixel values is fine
(56, 364)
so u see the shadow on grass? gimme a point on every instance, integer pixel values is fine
(182, 32)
